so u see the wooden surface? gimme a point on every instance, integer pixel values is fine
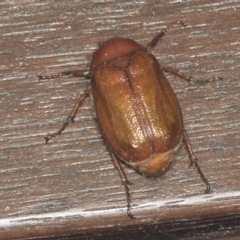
(69, 186)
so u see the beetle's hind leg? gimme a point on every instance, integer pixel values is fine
(125, 182)
(194, 160)
(189, 79)
(70, 118)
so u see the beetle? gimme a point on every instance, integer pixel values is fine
(137, 111)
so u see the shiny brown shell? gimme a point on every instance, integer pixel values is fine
(137, 110)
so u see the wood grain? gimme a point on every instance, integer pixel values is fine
(69, 186)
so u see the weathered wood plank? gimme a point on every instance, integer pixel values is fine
(69, 186)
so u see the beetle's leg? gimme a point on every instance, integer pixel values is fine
(77, 73)
(194, 160)
(70, 118)
(125, 182)
(188, 78)
(158, 37)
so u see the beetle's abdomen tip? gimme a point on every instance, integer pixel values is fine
(155, 165)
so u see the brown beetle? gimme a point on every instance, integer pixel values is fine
(137, 111)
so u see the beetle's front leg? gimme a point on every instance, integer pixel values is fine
(76, 73)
